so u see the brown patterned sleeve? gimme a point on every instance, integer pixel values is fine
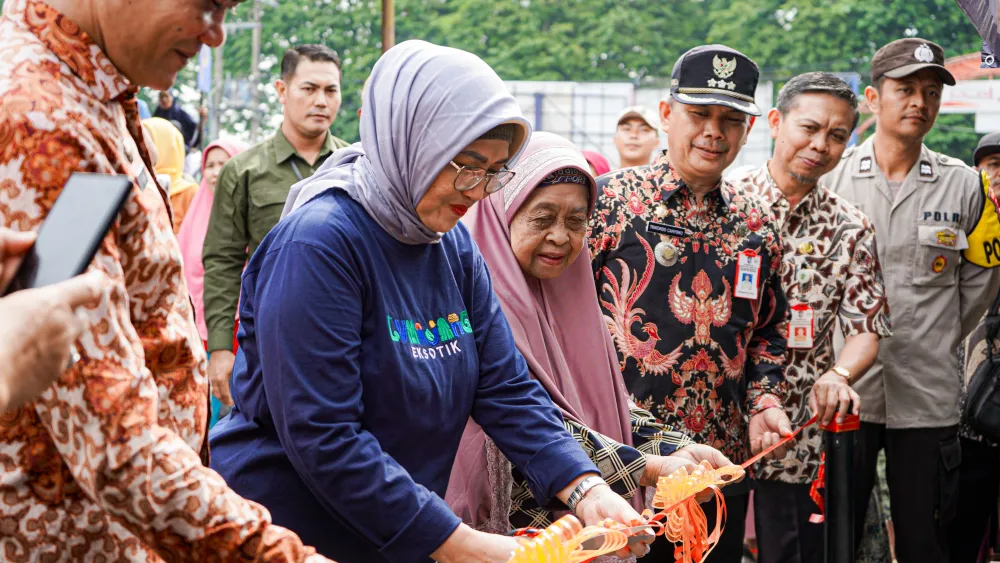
(103, 416)
(766, 386)
(864, 308)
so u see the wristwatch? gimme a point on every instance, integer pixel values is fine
(842, 373)
(582, 489)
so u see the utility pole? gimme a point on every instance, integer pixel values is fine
(255, 74)
(388, 25)
(219, 75)
(218, 83)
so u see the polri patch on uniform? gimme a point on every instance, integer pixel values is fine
(939, 264)
(925, 169)
(663, 229)
(865, 165)
(946, 238)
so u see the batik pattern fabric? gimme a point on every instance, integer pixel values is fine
(830, 264)
(104, 466)
(701, 360)
(621, 466)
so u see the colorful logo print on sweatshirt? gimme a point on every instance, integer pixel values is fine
(435, 339)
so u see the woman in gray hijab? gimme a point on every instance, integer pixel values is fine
(370, 333)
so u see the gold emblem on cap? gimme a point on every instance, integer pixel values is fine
(805, 247)
(722, 67)
(924, 53)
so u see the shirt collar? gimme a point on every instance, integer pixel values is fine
(662, 173)
(769, 190)
(927, 166)
(283, 149)
(864, 162)
(865, 165)
(71, 45)
(775, 198)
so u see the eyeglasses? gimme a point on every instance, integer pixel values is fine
(469, 177)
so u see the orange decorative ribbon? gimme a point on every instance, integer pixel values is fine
(680, 517)
(562, 542)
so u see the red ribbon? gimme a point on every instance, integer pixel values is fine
(814, 494)
(850, 423)
(789, 438)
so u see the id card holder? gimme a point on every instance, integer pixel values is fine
(747, 275)
(801, 326)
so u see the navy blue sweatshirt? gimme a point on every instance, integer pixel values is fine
(360, 360)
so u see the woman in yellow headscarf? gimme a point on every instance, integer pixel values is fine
(169, 145)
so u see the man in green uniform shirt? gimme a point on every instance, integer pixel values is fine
(253, 186)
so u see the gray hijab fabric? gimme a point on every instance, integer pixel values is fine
(422, 106)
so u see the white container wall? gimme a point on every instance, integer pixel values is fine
(587, 113)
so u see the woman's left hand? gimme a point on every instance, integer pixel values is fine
(600, 504)
(698, 453)
(695, 454)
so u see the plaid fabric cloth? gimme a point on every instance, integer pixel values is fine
(621, 466)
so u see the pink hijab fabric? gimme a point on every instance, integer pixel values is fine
(191, 236)
(557, 326)
(600, 163)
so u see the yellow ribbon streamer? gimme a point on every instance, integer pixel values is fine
(561, 543)
(680, 519)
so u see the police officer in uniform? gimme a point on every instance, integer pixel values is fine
(928, 211)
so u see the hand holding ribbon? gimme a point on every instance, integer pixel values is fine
(679, 518)
(602, 506)
(770, 430)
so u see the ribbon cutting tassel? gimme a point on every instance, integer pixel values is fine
(562, 543)
(683, 520)
(680, 517)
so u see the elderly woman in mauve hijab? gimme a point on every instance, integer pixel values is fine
(370, 334)
(532, 236)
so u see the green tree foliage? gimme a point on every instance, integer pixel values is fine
(593, 40)
(954, 135)
(795, 36)
(604, 40)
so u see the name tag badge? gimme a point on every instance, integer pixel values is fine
(663, 229)
(801, 326)
(747, 275)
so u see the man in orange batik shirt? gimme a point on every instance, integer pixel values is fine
(104, 465)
